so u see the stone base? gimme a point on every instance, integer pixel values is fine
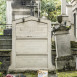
(65, 63)
(33, 73)
(12, 69)
(29, 73)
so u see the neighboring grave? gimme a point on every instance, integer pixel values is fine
(31, 45)
(65, 63)
(63, 49)
(62, 42)
(23, 8)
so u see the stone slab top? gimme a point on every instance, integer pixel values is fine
(31, 18)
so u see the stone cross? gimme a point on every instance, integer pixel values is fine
(63, 7)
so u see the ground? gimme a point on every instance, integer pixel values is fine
(67, 74)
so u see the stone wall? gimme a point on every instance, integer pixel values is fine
(5, 51)
(5, 42)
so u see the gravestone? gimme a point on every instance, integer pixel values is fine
(63, 47)
(31, 45)
(63, 43)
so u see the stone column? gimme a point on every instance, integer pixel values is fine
(63, 7)
(9, 13)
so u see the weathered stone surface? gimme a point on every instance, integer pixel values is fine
(31, 45)
(65, 63)
(63, 43)
(23, 8)
(63, 7)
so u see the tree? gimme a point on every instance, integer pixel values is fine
(2, 11)
(2, 15)
(52, 8)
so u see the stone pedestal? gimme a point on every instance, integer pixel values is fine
(19, 10)
(31, 45)
(65, 63)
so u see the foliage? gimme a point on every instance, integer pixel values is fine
(1, 74)
(67, 74)
(2, 15)
(52, 8)
(0, 63)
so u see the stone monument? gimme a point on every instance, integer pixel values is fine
(64, 56)
(23, 8)
(31, 45)
(31, 38)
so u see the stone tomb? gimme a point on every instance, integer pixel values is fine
(31, 45)
(62, 43)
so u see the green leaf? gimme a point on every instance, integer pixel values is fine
(0, 63)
